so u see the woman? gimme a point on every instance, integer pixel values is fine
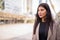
(45, 28)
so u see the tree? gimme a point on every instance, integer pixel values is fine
(1, 4)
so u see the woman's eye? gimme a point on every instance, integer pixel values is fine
(42, 9)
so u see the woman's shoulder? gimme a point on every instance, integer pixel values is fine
(56, 23)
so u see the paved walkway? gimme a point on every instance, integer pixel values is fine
(16, 32)
(23, 37)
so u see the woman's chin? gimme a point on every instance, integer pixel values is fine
(41, 17)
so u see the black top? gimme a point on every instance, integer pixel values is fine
(42, 33)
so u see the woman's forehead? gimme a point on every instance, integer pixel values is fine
(41, 7)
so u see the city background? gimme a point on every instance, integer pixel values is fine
(17, 17)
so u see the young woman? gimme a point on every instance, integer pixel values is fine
(45, 28)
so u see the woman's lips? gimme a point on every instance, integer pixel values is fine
(40, 15)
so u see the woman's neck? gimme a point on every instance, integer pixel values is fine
(43, 19)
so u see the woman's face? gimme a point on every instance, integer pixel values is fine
(41, 12)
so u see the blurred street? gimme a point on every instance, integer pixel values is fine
(17, 17)
(16, 32)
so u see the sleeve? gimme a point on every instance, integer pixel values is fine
(58, 30)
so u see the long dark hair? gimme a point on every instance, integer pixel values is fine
(49, 19)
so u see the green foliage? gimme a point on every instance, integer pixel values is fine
(1, 4)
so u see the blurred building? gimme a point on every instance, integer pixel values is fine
(25, 8)
(15, 10)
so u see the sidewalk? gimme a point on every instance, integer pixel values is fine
(23, 37)
(16, 32)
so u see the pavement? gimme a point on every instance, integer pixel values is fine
(16, 32)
